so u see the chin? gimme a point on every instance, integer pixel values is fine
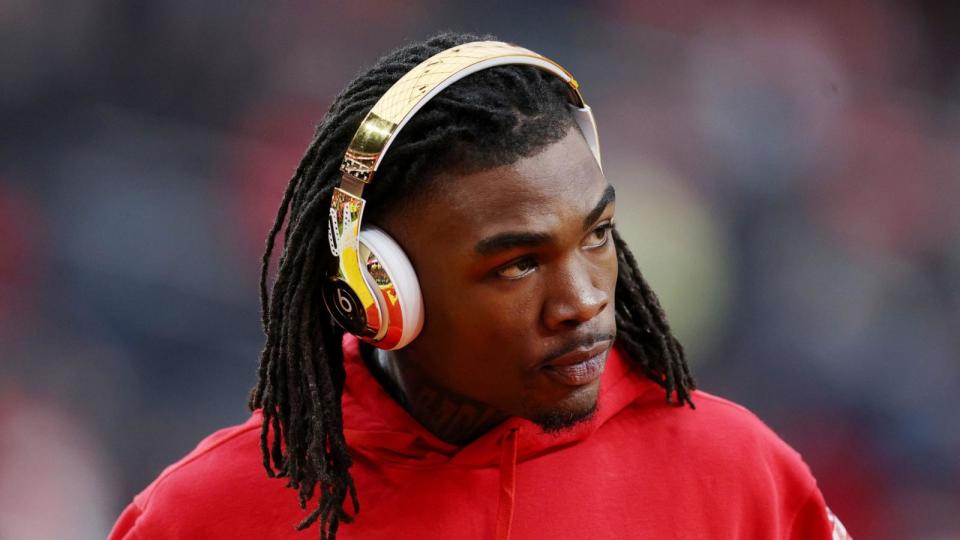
(575, 409)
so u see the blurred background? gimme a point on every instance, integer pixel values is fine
(787, 176)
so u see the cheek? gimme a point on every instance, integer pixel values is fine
(482, 326)
(475, 341)
(611, 273)
(471, 312)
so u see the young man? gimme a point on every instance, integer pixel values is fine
(506, 365)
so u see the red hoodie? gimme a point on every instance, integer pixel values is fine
(638, 469)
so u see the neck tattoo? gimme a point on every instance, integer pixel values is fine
(453, 418)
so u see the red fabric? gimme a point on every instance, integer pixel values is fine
(639, 469)
(508, 483)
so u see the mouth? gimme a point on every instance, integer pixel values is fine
(580, 366)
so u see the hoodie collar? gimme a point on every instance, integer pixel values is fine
(375, 423)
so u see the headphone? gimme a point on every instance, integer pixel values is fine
(372, 291)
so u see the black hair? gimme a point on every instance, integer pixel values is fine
(490, 118)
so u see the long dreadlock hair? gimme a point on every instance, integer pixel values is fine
(493, 117)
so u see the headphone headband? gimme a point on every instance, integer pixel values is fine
(392, 111)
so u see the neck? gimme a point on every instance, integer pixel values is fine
(453, 418)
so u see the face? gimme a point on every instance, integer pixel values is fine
(518, 269)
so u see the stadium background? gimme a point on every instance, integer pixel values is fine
(788, 177)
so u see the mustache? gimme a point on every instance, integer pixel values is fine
(582, 342)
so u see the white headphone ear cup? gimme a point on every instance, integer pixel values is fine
(404, 278)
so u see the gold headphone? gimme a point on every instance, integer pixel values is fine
(373, 291)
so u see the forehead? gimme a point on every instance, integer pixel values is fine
(553, 188)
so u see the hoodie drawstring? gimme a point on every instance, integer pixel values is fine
(508, 483)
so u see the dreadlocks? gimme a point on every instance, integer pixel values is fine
(493, 117)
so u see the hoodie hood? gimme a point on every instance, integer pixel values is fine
(375, 424)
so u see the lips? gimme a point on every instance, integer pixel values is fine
(579, 366)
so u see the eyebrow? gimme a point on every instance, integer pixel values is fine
(512, 240)
(609, 196)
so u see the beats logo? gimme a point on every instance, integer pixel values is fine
(345, 306)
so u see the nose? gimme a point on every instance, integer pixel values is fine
(575, 294)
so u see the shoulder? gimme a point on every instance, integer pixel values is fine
(219, 481)
(732, 432)
(732, 427)
(732, 459)
(725, 423)
(719, 440)
(225, 454)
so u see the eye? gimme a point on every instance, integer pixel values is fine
(517, 269)
(599, 236)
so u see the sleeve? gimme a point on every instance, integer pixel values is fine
(814, 520)
(123, 529)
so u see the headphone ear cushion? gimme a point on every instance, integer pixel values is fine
(404, 278)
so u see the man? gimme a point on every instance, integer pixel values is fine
(509, 381)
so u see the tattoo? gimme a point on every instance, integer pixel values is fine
(453, 418)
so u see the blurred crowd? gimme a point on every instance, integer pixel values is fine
(787, 175)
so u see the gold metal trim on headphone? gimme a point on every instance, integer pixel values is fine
(381, 125)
